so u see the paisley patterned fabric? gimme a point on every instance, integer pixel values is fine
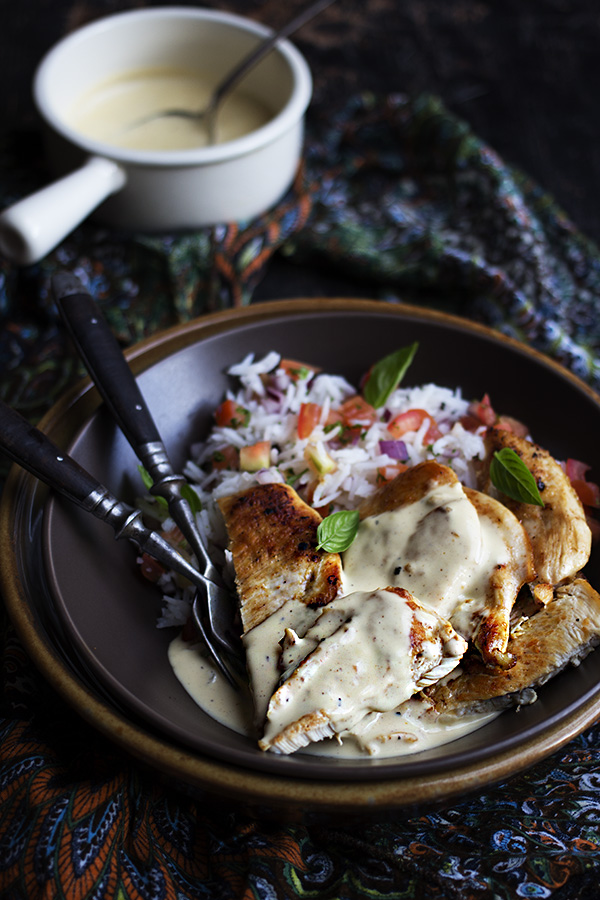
(400, 195)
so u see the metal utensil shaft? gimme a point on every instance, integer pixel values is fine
(118, 387)
(113, 378)
(33, 450)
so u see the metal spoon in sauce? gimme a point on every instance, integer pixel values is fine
(208, 115)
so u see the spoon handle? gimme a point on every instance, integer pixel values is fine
(312, 10)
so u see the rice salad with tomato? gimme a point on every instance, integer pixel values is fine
(289, 422)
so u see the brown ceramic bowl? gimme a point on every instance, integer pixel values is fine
(88, 620)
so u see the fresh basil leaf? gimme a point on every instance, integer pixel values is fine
(337, 531)
(147, 481)
(510, 475)
(188, 493)
(386, 375)
(292, 477)
(145, 476)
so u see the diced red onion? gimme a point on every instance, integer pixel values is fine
(394, 449)
(275, 393)
(280, 381)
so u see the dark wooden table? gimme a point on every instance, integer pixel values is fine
(525, 75)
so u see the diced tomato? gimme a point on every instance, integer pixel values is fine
(297, 371)
(587, 491)
(255, 457)
(469, 422)
(227, 457)
(356, 411)
(482, 410)
(432, 434)
(334, 417)
(388, 473)
(151, 569)
(507, 423)
(308, 418)
(230, 414)
(174, 536)
(577, 470)
(412, 420)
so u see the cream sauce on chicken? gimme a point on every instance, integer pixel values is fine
(114, 111)
(412, 728)
(438, 548)
(367, 652)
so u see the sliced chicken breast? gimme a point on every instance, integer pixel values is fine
(461, 552)
(273, 539)
(366, 652)
(560, 536)
(563, 632)
(509, 566)
(409, 487)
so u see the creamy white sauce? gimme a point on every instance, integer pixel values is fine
(197, 674)
(367, 652)
(262, 646)
(442, 552)
(411, 729)
(438, 548)
(113, 110)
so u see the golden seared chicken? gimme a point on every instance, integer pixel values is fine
(460, 552)
(365, 652)
(409, 487)
(505, 575)
(273, 539)
(560, 536)
(563, 632)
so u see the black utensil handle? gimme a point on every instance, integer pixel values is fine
(108, 367)
(33, 450)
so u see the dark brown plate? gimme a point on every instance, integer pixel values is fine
(88, 620)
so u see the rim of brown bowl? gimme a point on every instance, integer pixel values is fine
(294, 798)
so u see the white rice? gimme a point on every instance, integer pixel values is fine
(274, 418)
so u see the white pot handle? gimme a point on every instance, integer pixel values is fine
(35, 225)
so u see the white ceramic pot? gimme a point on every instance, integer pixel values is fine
(169, 190)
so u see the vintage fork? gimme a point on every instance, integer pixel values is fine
(213, 604)
(35, 451)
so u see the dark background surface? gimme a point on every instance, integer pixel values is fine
(525, 74)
